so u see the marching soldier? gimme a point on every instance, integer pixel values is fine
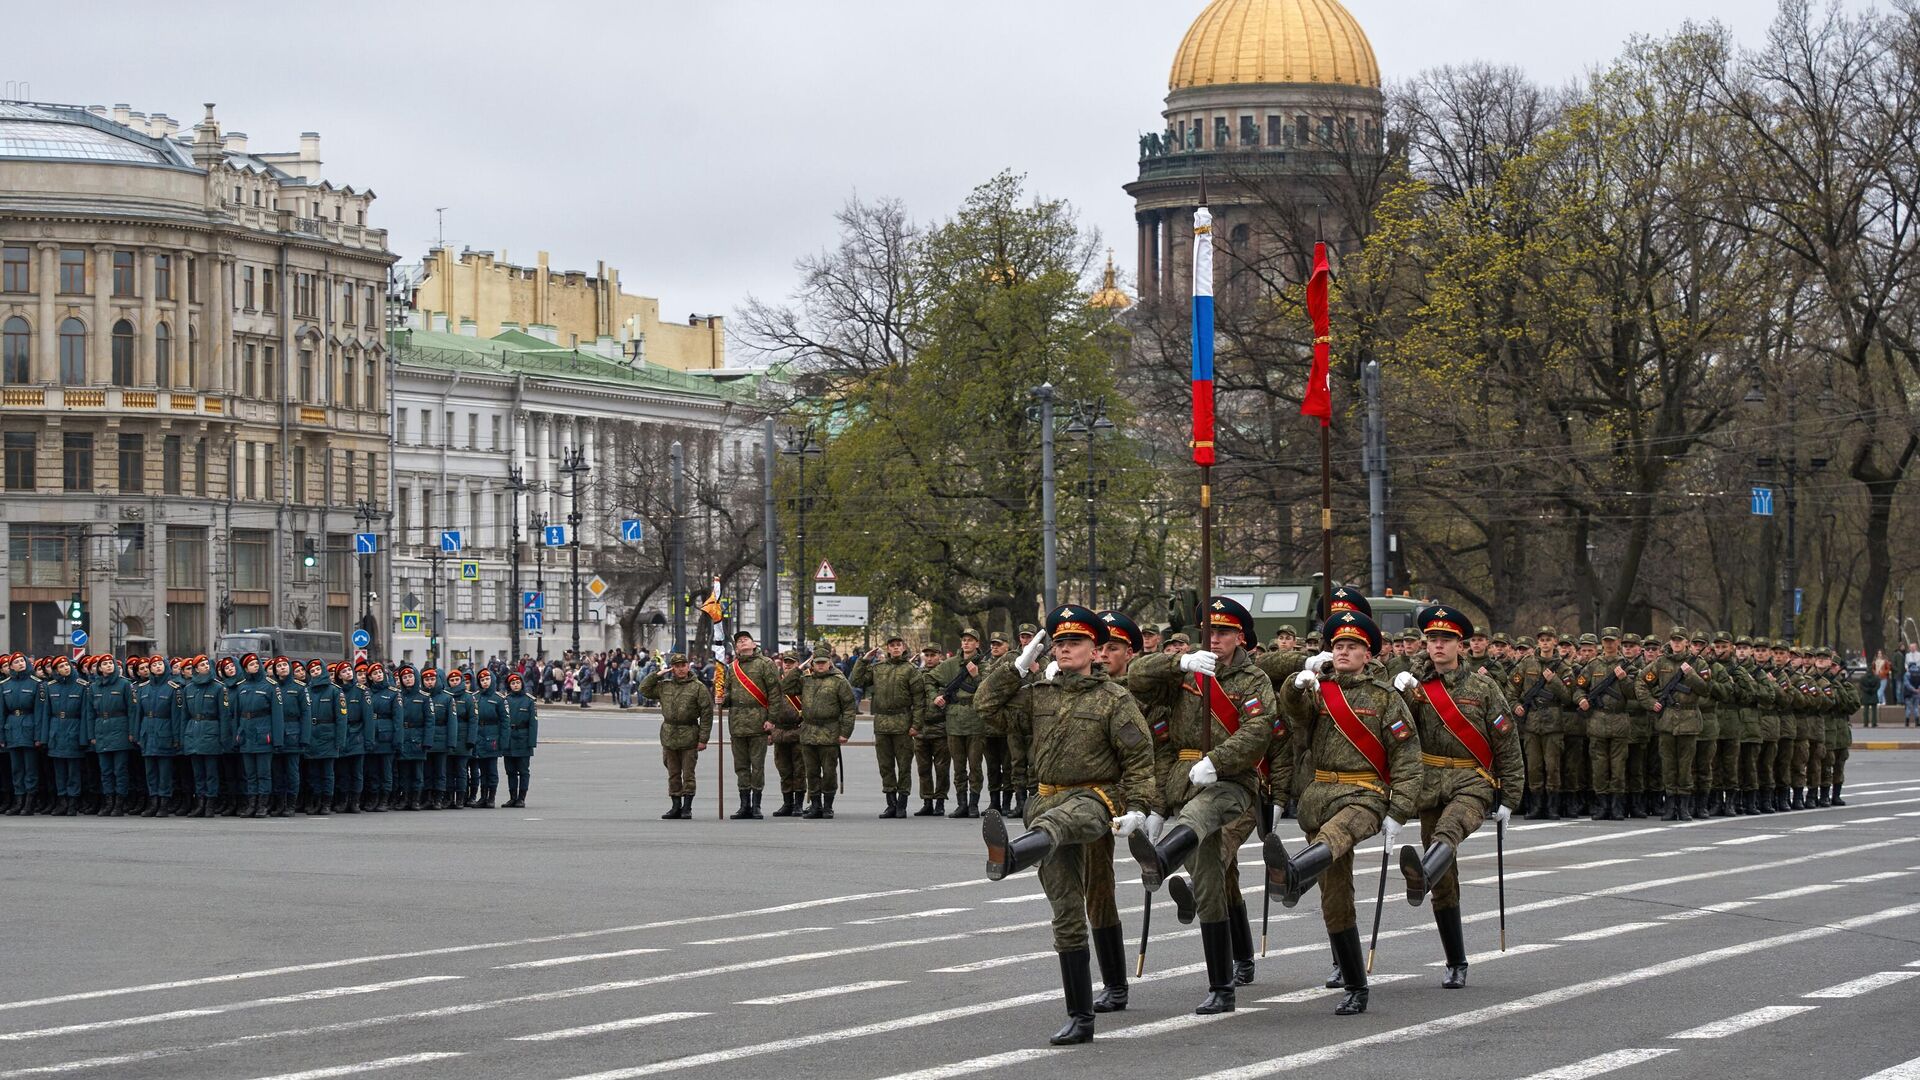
(785, 736)
(1671, 687)
(1839, 730)
(1124, 642)
(1209, 791)
(1093, 761)
(1367, 776)
(898, 691)
(1472, 767)
(751, 682)
(826, 723)
(954, 683)
(686, 723)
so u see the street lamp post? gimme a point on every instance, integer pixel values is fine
(800, 444)
(677, 465)
(516, 483)
(366, 515)
(1090, 419)
(574, 465)
(1050, 573)
(538, 522)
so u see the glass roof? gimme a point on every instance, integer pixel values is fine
(21, 138)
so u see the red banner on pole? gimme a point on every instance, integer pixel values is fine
(1318, 400)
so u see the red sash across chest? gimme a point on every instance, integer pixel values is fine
(1356, 731)
(752, 689)
(1457, 723)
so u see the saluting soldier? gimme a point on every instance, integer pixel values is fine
(954, 683)
(1218, 697)
(1366, 779)
(751, 682)
(898, 692)
(1017, 751)
(1124, 642)
(1472, 769)
(1671, 688)
(826, 723)
(686, 723)
(1093, 764)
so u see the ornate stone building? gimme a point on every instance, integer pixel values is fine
(1265, 97)
(193, 381)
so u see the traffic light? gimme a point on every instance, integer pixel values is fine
(76, 611)
(312, 555)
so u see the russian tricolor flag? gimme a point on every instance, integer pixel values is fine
(1202, 337)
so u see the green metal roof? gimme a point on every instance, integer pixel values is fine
(513, 352)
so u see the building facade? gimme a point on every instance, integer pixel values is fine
(193, 381)
(474, 292)
(471, 412)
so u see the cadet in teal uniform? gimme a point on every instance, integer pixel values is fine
(459, 741)
(290, 749)
(205, 735)
(383, 740)
(252, 710)
(327, 729)
(522, 735)
(410, 732)
(62, 730)
(489, 734)
(20, 733)
(348, 771)
(161, 722)
(112, 727)
(439, 737)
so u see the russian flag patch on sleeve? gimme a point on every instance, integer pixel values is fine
(1400, 730)
(1500, 723)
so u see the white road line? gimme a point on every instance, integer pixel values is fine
(215, 1010)
(930, 913)
(762, 937)
(1609, 931)
(1868, 820)
(992, 962)
(1906, 1070)
(557, 961)
(1756, 838)
(1908, 813)
(1804, 890)
(365, 1066)
(1171, 1023)
(1676, 851)
(979, 1064)
(1019, 899)
(1605, 1063)
(1828, 827)
(825, 991)
(1320, 993)
(1456, 1022)
(1733, 1025)
(1517, 950)
(1856, 987)
(1512, 875)
(611, 1025)
(1598, 863)
(1885, 875)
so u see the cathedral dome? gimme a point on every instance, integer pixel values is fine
(1236, 42)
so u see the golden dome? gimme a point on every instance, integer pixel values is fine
(1275, 41)
(1110, 297)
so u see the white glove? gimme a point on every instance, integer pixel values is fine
(1200, 661)
(1405, 681)
(1155, 826)
(1024, 662)
(1203, 773)
(1127, 822)
(1305, 680)
(1501, 813)
(1317, 659)
(1389, 830)
(1052, 669)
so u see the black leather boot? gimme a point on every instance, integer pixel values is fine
(1295, 874)
(1353, 971)
(1240, 936)
(1837, 800)
(1799, 800)
(813, 811)
(888, 811)
(673, 813)
(1158, 860)
(1683, 804)
(1422, 870)
(1454, 944)
(993, 803)
(926, 809)
(1822, 800)
(1216, 941)
(1076, 983)
(959, 805)
(754, 807)
(826, 806)
(787, 807)
(1110, 949)
(322, 806)
(1180, 891)
(1007, 856)
(745, 813)
(940, 807)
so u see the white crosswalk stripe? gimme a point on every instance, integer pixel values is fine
(979, 1064)
(1866, 984)
(1597, 1066)
(1906, 1070)
(825, 991)
(1172, 1023)
(558, 961)
(628, 1024)
(365, 1066)
(1608, 931)
(1733, 1025)
(215, 1010)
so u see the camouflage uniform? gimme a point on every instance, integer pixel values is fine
(898, 693)
(1677, 724)
(686, 724)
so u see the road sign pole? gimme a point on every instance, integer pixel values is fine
(516, 483)
(576, 463)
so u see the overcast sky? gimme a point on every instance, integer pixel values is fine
(701, 145)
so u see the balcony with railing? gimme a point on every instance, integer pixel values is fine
(19, 399)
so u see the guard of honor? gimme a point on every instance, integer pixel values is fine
(259, 738)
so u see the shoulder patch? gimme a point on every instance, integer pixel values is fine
(1651, 677)
(1400, 730)
(1130, 735)
(1501, 723)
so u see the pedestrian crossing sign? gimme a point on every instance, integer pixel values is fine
(409, 622)
(469, 571)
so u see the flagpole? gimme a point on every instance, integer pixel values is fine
(1203, 418)
(1317, 401)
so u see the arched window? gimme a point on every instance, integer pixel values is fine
(73, 353)
(16, 347)
(123, 353)
(162, 355)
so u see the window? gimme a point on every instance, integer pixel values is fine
(499, 521)
(1220, 135)
(266, 290)
(326, 476)
(252, 562)
(403, 501)
(1326, 131)
(187, 629)
(123, 284)
(426, 428)
(337, 562)
(373, 305)
(493, 422)
(193, 359)
(170, 452)
(1353, 133)
(371, 399)
(73, 270)
(250, 465)
(133, 464)
(1301, 134)
(251, 615)
(200, 468)
(308, 390)
(73, 353)
(346, 303)
(246, 288)
(272, 484)
(163, 277)
(16, 269)
(473, 431)
(76, 461)
(349, 379)
(16, 351)
(123, 353)
(162, 356)
(42, 556)
(299, 542)
(20, 460)
(269, 383)
(130, 550)
(348, 477)
(186, 557)
(193, 280)
(1276, 131)
(426, 515)
(299, 466)
(249, 371)
(400, 425)
(1249, 131)
(373, 475)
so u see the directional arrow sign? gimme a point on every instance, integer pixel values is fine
(554, 536)
(366, 543)
(362, 639)
(531, 621)
(78, 637)
(632, 531)
(450, 540)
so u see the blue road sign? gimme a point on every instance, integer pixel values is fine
(1798, 596)
(632, 531)
(78, 637)
(409, 622)
(533, 601)
(366, 543)
(362, 639)
(1763, 502)
(531, 620)
(554, 536)
(450, 540)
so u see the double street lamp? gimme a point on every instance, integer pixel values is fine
(800, 444)
(1090, 419)
(574, 464)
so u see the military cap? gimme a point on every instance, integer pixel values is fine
(895, 636)
(1743, 640)
(676, 658)
(1027, 628)
(1780, 643)
(1701, 636)
(1348, 598)
(1679, 632)
(1523, 643)
(1587, 639)
(1546, 631)
(1287, 630)
(1823, 651)
(515, 677)
(1119, 626)
(790, 656)
(738, 634)
(1609, 633)
(1441, 619)
(1225, 611)
(1354, 626)
(1313, 637)
(1179, 639)
(1629, 638)
(226, 665)
(1566, 639)
(968, 631)
(925, 649)
(249, 658)
(1478, 632)
(1072, 620)
(1500, 639)
(996, 638)
(821, 656)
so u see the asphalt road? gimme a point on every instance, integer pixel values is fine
(585, 937)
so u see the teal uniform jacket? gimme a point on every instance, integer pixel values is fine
(251, 710)
(112, 715)
(19, 704)
(411, 738)
(443, 727)
(61, 723)
(203, 729)
(162, 719)
(460, 732)
(353, 739)
(383, 718)
(489, 723)
(523, 725)
(296, 728)
(327, 721)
